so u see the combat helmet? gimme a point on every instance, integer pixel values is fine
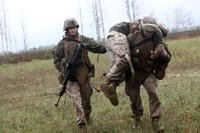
(147, 27)
(70, 22)
(149, 19)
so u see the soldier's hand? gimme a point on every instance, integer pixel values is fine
(159, 50)
(162, 52)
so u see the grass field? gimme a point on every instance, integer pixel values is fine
(27, 100)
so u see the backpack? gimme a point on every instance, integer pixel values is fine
(163, 29)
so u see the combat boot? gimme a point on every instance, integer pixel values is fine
(137, 122)
(82, 128)
(109, 91)
(156, 125)
(137, 118)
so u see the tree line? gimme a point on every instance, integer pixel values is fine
(182, 21)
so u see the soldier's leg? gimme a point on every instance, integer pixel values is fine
(109, 90)
(117, 44)
(133, 91)
(73, 91)
(135, 104)
(150, 85)
(86, 92)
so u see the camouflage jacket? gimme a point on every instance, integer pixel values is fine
(127, 28)
(61, 54)
(140, 51)
(122, 27)
(141, 48)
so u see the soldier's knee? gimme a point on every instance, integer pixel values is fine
(151, 89)
(152, 92)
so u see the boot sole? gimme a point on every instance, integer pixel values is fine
(112, 97)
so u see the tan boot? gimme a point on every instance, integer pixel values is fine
(157, 126)
(110, 92)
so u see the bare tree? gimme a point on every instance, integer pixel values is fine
(96, 19)
(24, 38)
(102, 20)
(2, 37)
(189, 19)
(132, 9)
(80, 13)
(128, 10)
(4, 30)
(183, 20)
(3, 27)
(135, 8)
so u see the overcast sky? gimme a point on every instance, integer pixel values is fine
(43, 19)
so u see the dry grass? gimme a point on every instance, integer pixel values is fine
(27, 100)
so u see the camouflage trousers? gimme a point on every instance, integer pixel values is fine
(81, 99)
(133, 91)
(117, 47)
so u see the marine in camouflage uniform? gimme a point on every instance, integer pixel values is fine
(150, 58)
(78, 87)
(119, 51)
(115, 75)
(118, 48)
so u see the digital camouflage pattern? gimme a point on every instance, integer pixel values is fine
(151, 27)
(117, 45)
(149, 20)
(144, 66)
(61, 53)
(119, 51)
(79, 88)
(122, 27)
(69, 23)
(73, 91)
(140, 53)
(147, 71)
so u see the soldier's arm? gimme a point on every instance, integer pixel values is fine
(157, 37)
(168, 52)
(58, 54)
(130, 38)
(92, 46)
(122, 27)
